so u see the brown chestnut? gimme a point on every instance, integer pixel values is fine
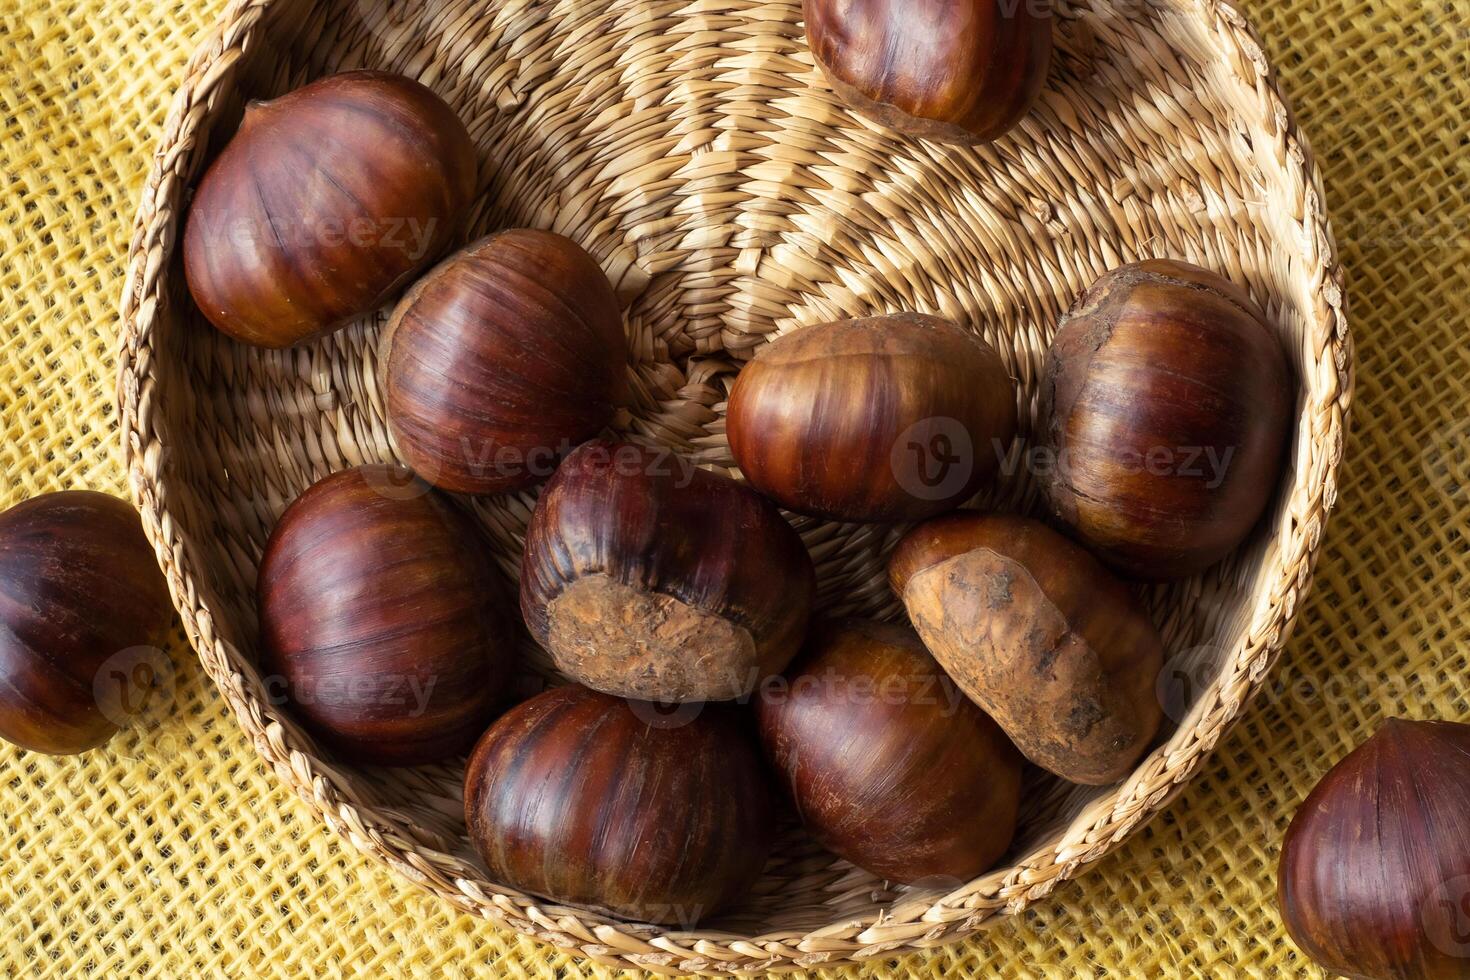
(501, 360)
(960, 71)
(882, 419)
(325, 203)
(592, 800)
(890, 765)
(1166, 405)
(1375, 871)
(649, 578)
(382, 625)
(79, 589)
(1037, 633)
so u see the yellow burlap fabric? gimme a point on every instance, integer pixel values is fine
(172, 853)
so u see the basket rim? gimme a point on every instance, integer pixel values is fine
(908, 927)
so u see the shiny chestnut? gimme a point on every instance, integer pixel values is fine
(881, 419)
(1041, 636)
(592, 800)
(383, 626)
(324, 204)
(80, 592)
(1374, 880)
(647, 577)
(1167, 405)
(891, 766)
(501, 360)
(960, 71)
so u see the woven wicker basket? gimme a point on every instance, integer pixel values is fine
(692, 146)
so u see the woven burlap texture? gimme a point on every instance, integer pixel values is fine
(171, 852)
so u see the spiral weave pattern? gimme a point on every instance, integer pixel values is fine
(694, 149)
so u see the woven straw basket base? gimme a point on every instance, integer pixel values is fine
(692, 146)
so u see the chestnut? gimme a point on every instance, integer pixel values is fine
(382, 625)
(881, 419)
(890, 765)
(592, 800)
(1036, 632)
(1374, 879)
(1165, 404)
(79, 587)
(959, 71)
(324, 204)
(649, 578)
(502, 359)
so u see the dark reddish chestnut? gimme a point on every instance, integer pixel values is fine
(592, 800)
(890, 765)
(1375, 870)
(649, 578)
(79, 589)
(327, 201)
(1040, 635)
(1167, 406)
(961, 71)
(501, 360)
(890, 418)
(382, 624)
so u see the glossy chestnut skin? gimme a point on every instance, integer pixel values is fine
(648, 578)
(588, 799)
(78, 585)
(890, 765)
(882, 419)
(501, 360)
(959, 71)
(382, 624)
(1167, 402)
(1374, 880)
(1041, 636)
(326, 202)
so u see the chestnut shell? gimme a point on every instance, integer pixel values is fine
(1374, 879)
(592, 800)
(78, 584)
(501, 360)
(959, 71)
(383, 626)
(326, 202)
(881, 419)
(890, 765)
(647, 577)
(1040, 635)
(1167, 402)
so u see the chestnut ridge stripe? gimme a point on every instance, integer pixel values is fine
(507, 771)
(530, 269)
(547, 812)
